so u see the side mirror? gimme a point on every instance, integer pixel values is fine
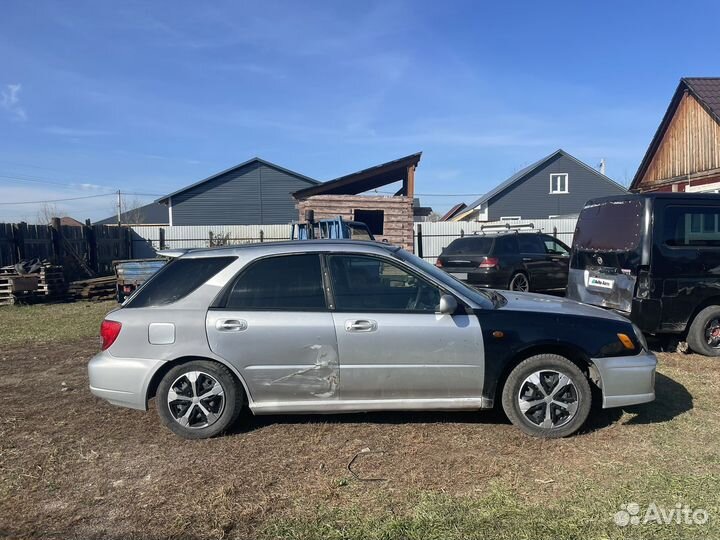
(448, 304)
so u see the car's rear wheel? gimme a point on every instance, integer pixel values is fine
(199, 399)
(547, 396)
(519, 282)
(704, 334)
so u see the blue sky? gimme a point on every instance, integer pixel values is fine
(151, 96)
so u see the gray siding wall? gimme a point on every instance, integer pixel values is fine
(531, 199)
(253, 195)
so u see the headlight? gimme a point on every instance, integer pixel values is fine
(640, 337)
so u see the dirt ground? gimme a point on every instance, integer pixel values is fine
(73, 466)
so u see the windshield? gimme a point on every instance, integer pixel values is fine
(612, 226)
(478, 296)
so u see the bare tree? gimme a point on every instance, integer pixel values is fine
(46, 212)
(129, 209)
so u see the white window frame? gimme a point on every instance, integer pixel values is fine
(554, 176)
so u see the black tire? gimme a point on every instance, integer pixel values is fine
(697, 338)
(549, 366)
(223, 413)
(517, 279)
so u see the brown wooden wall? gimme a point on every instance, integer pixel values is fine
(398, 213)
(691, 145)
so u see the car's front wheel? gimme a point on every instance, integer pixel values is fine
(199, 399)
(704, 334)
(547, 396)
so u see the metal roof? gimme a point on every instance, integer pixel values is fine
(707, 92)
(364, 180)
(244, 164)
(150, 214)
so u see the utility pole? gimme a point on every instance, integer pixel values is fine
(118, 208)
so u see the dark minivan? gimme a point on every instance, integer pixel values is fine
(655, 258)
(528, 261)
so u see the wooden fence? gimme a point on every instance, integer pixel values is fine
(82, 251)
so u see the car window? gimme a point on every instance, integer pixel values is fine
(362, 283)
(176, 280)
(506, 245)
(530, 243)
(693, 226)
(289, 282)
(475, 245)
(554, 246)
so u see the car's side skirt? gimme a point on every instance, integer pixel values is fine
(364, 405)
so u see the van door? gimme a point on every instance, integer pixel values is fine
(607, 253)
(686, 258)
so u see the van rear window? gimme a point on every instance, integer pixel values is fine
(473, 245)
(692, 226)
(610, 226)
(176, 280)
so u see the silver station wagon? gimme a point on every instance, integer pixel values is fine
(345, 326)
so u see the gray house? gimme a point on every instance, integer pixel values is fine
(255, 192)
(557, 185)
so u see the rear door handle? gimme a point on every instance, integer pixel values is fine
(527, 259)
(363, 325)
(231, 325)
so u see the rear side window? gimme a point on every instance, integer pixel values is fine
(530, 243)
(290, 282)
(692, 226)
(506, 245)
(472, 245)
(177, 279)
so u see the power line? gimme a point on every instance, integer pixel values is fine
(60, 200)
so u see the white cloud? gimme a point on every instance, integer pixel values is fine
(10, 101)
(74, 132)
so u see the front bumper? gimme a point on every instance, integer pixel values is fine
(627, 380)
(121, 381)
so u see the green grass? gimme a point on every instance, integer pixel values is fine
(582, 512)
(51, 323)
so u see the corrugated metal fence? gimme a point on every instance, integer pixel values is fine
(430, 238)
(148, 239)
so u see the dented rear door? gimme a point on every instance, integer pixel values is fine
(275, 328)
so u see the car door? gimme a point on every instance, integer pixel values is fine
(559, 256)
(535, 260)
(392, 343)
(273, 325)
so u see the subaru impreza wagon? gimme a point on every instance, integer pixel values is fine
(345, 326)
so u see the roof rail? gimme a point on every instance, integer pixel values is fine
(506, 227)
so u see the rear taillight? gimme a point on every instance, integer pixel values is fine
(438, 263)
(109, 331)
(489, 262)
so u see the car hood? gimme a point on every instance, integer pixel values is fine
(519, 301)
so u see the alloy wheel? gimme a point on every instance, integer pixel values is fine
(196, 399)
(548, 399)
(712, 333)
(520, 283)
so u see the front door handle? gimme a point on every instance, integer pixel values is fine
(231, 325)
(527, 259)
(363, 325)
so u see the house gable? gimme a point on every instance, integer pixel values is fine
(530, 197)
(689, 145)
(253, 193)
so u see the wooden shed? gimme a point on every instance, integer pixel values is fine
(354, 197)
(684, 154)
